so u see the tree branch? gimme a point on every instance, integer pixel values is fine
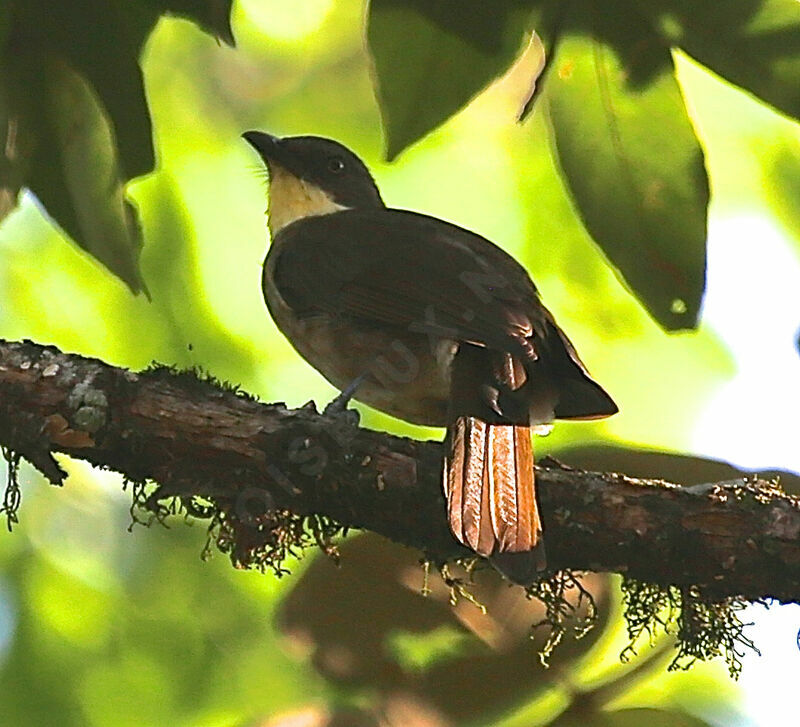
(207, 443)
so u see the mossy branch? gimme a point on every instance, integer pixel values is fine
(272, 479)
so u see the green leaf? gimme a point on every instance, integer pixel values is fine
(75, 174)
(631, 718)
(784, 185)
(652, 718)
(74, 113)
(102, 40)
(653, 464)
(431, 58)
(12, 164)
(630, 157)
(784, 197)
(213, 16)
(754, 44)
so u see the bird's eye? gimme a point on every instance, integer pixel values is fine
(336, 165)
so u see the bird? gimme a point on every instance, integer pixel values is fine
(428, 322)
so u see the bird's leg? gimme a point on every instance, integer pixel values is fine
(337, 408)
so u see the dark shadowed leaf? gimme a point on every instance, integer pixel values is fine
(75, 174)
(74, 114)
(431, 58)
(12, 163)
(754, 44)
(547, 20)
(102, 41)
(681, 468)
(631, 718)
(469, 665)
(213, 16)
(631, 160)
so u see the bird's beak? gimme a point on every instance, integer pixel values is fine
(270, 148)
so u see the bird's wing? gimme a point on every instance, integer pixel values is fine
(412, 271)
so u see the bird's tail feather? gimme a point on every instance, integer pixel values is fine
(491, 499)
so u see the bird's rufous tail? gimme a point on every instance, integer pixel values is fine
(491, 498)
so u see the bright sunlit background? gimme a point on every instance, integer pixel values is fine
(100, 627)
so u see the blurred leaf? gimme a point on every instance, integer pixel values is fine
(102, 41)
(630, 158)
(430, 59)
(74, 170)
(681, 468)
(12, 164)
(630, 718)
(754, 44)
(189, 324)
(784, 186)
(489, 669)
(74, 115)
(213, 16)
(10, 172)
(547, 21)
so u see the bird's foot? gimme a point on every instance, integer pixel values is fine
(337, 408)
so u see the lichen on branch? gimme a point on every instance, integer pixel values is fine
(272, 481)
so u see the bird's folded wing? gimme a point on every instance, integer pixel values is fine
(408, 270)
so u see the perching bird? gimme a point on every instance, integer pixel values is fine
(430, 323)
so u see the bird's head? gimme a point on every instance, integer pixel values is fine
(310, 175)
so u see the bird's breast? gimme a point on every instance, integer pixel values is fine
(407, 374)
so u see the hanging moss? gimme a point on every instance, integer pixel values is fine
(12, 495)
(265, 541)
(261, 538)
(254, 535)
(704, 628)
(570, 608)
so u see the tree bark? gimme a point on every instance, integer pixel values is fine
(198, 438)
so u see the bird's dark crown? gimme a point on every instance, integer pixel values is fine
(321, 162)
